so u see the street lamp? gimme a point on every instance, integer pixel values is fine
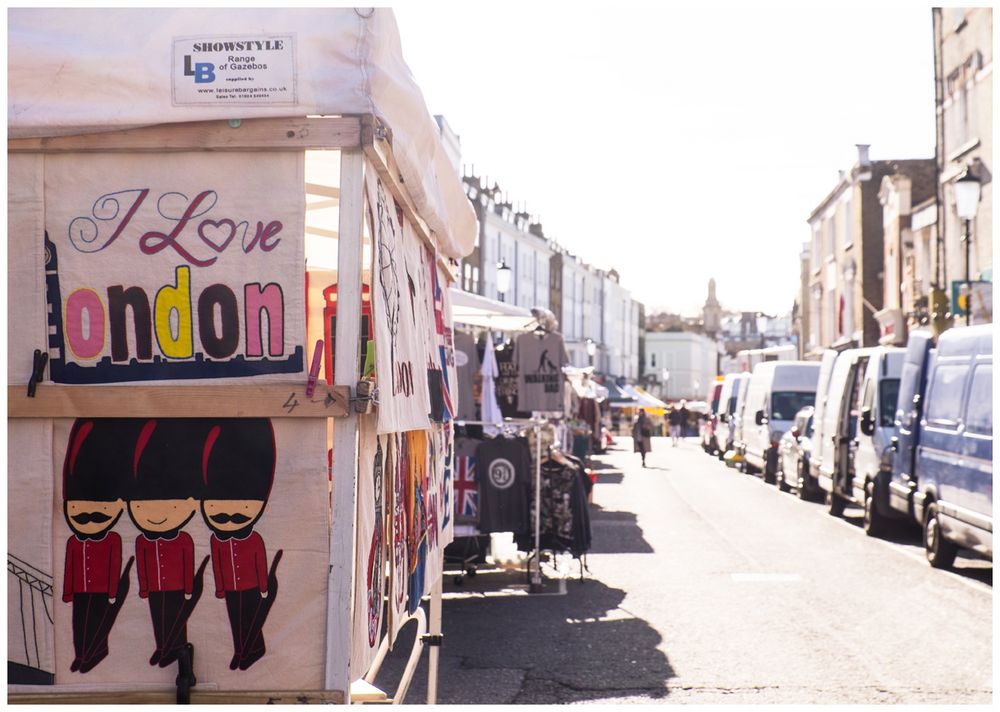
(591, 350)
(503, 279)
(967, 191)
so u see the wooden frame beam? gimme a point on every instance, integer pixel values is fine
(319, 133)
(376, 141)
(272, 400)
(169, 697)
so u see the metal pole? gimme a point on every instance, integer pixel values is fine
(536, 578)
(968, 283)
(434, 628)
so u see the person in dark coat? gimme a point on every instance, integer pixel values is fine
(165, 493)
(95, 473)
(642, 433)
(238, 463)
(678, 421)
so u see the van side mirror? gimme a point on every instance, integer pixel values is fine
(867, 423)
(759, 418)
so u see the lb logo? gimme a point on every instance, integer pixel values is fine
(501, 473)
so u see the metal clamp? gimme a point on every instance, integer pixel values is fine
(366, 396)
(432, 639)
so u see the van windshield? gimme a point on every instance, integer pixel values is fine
(785, 404)
(888, 395)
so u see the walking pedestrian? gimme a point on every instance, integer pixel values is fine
(678, 419)
(642, 432)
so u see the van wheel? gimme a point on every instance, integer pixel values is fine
(834, 504)
(940, 552)
(782, 484)
(800, 489)
(875, 523)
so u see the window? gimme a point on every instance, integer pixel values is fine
(785, 404)
(831, 237)
(848, 221)
(944, 396)
(979, 411)
(652, 360)
(888, 395)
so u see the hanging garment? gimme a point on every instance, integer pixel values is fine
(466, 486)
(506, 385)
(467, 365)
(540, 382)
(491, 410)
(503, 467)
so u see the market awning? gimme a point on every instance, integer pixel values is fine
(646, 400)
(619, 398)
(476, 310)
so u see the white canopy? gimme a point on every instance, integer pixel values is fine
(84, 70)
(475, 310)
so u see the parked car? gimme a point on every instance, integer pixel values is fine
(909, 409)
(777, 390)
(793, 454)
(709, 423)
(954, 459)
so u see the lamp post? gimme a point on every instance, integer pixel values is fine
(591, 350)
(503, 279)
(967, 191)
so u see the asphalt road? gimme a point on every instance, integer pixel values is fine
(706, 585)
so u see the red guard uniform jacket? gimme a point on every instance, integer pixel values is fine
(165, 564)
(239, 564)
(92, 566)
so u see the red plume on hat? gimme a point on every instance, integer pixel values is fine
(98, 463)
(238, 459)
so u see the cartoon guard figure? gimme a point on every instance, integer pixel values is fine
(238, 466)
(165, 493)
(95, 472)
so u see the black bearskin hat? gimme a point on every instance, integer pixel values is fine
(167, 461)
(239, 458)
(98, 464)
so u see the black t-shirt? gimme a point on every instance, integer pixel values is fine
(506, 384)
(503, 469)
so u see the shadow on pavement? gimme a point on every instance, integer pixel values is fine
(504, 646)
(610, 477)
(968, 564)
(616, 533)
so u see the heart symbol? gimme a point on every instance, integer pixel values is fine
(217, 237)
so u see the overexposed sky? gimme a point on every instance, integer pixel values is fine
(677, 143)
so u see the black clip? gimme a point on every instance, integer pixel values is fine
(431, 639)
(37, 371)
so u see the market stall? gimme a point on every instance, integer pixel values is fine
(512, 462)
(191, 245)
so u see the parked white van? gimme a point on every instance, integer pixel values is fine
(837, 445)
(810, 484)
(727, 406)
(876, 432)
(777, 390)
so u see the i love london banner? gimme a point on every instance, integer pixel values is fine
(174, 266)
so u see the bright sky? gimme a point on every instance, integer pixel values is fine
(677, 143)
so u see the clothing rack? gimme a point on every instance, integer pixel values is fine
(520, 425)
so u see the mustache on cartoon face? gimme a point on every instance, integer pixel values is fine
(227, 518)
(91, 518)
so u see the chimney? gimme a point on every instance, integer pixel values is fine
(863, 154)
